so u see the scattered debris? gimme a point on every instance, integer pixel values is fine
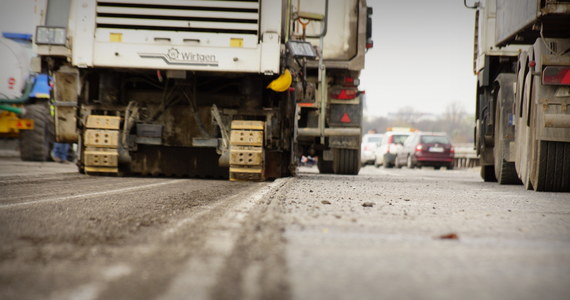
(368, 204)
(326, 202)
(449, 236)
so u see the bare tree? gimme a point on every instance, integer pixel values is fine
(454, 120)
(407, 117)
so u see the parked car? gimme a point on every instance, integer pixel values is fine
(386, 154)
(426, 149)
(368, 147)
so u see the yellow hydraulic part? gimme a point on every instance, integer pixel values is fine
(281, 83)
(10, 124)
(101, 140)
(247, 157)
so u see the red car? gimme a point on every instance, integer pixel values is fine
(426, 149)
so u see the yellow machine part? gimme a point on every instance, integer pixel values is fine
(10, 124)
(281, 83)
(101, 140)
(247, 156)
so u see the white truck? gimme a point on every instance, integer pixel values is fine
(522, 63)
(207, 88)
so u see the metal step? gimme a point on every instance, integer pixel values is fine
(247, 156)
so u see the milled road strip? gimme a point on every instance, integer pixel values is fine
(201, 271)
(89, 195)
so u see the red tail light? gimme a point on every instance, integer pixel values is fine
(390, 139)
(344, 94)
(419, 148)
(556, 76)
(452, 150)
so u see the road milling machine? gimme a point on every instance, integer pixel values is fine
(204, 88)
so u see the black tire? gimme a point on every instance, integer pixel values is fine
(553, 167)
(450, 166)
(346, 161)
(36, 144)
(505, 171)
(488, 173)
(325, 166)
(387, 165)
(437, 167)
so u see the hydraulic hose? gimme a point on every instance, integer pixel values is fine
(13, 109)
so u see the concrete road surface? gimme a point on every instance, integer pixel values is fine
(385, 234)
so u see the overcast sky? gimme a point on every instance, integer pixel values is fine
(422, 56)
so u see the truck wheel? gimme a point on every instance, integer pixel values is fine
(346, 161)
(553, 167)
(325, 166)
(35, 144)
(488, 173)
(505, 171)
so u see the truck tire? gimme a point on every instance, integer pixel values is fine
(346, 161)
(325, 166)
(488, 173)
(35, 144)
(553, 167)
(505, 171)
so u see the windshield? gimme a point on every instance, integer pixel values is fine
(434, 139)
(399, 138)
(375, 139)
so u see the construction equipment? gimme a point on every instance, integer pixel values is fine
(206, 88)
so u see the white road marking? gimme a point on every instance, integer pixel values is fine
(89, 195)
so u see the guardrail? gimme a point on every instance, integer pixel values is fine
(465, 156)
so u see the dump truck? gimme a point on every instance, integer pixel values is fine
(237, 89)
(522, 63)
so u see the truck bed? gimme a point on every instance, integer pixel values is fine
(519, 21)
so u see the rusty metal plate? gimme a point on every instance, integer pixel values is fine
(249, 125)
(103, 122)
(246, 138)
(246, 174)
(101, 158)
(101, 138)
(249, 157)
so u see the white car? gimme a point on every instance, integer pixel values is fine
(368, 147)
(386, 153)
